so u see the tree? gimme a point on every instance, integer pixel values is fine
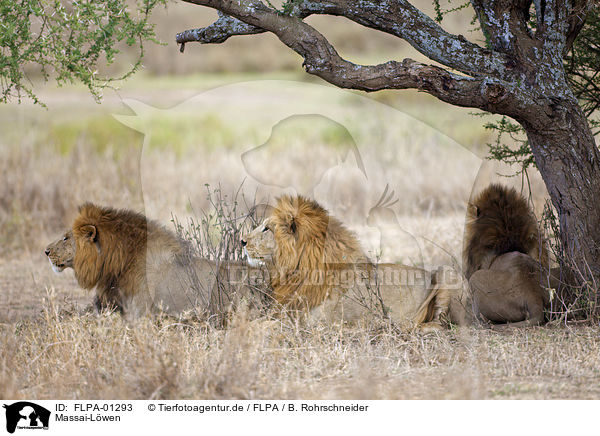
(519, 73)
(582, 65)
(67, 40)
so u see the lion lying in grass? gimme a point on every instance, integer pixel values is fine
(505, 263)
(137, 266)
(317, 266)
(505, 259)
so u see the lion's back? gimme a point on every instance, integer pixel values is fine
(370, 291)
(500, 221)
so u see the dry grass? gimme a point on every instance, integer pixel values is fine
(101, 357)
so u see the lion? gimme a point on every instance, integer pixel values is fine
(137, 266)
(317, 266)
(500, 221)
(505, 259)
(505, 263)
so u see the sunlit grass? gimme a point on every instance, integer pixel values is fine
(71, 356)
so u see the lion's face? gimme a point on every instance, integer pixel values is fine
(259, 244)
(300, 241)
(61, 252)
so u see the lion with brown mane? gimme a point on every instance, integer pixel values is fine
(505, 262)
(505, 259)
(137, 266)
(317, 266)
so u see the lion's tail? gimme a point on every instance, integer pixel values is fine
(434, 307)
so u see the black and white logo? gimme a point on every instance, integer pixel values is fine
(26, 415)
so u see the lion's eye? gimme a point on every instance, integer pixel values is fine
(65, 238)
(265, 229)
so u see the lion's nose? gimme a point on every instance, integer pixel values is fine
(243, 243)
(47, 252)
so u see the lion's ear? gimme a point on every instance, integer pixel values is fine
(263, 210)
(290, 223)
(473, 211)
(89, 232)
(293, 225)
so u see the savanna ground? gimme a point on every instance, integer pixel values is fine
(252, 143)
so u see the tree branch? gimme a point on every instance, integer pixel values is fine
(217, 32)
(560, 21)
(400, 18)
(396, 17)
(576, 20)
(321, 59)
(505, 24)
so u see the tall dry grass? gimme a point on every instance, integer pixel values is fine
(72, 356)
(41, 189)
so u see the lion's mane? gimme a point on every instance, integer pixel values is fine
(114, 248)
(312, 247)
(500, 221)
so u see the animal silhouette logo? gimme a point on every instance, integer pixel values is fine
(280, 137)
(26, 415)
(384, 218)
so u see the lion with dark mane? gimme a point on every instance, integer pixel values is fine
(500, 221)
(138, 266)
(505, 259)
(505, 262)
(317, 266)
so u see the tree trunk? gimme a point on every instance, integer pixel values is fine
(569, 162)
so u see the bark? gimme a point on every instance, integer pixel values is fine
(519, 73)
(569, 162)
